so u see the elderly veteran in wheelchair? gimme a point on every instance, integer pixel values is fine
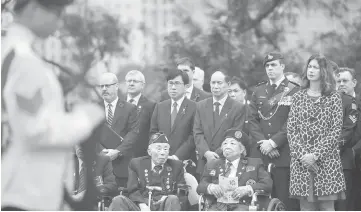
(229, 183)
(155, 182)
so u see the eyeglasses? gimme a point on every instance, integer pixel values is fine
(234, 91)
(185, 70)
(106, 85)
(134, 81)
(176, 83)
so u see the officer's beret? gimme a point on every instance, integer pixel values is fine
(239, 136)
(158, 138)
(271, 57)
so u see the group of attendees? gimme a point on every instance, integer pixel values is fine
(308, 129)
(305, 126)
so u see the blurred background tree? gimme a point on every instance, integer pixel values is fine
(235, 35)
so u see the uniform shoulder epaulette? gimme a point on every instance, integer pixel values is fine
(295, 83)
(261, 83)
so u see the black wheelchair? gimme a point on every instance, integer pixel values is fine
(261, 200)
(105, 198)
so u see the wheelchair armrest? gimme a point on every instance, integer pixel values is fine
(183, 187)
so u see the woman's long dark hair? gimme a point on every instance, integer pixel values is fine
(328, 83)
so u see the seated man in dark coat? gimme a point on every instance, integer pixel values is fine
(103, 176)
(249, 171)
(155, 170)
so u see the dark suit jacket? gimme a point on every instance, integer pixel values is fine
(207, 137)
(145, 109)
(196, 96)
(181, 135)
(141, 175)
(275, 127)
(249, 171)
(357, 136)
(126, 124)
(349, 126)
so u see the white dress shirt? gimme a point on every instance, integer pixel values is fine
(136, 99)
(234, 167)
(179, 103)
(278, 83)
(153, 165)
(222, 101)
(106, 108)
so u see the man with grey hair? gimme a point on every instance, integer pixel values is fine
(135, 82)
(198, 78)
(121, 128)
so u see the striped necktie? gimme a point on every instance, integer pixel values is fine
(110, 115)
(228, 169)
(82, 180)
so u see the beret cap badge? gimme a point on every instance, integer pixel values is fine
(269, 57)
(238, 134)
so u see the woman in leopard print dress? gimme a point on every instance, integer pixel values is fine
(314, 127)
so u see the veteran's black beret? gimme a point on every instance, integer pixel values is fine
(158, 138)
(271, 57)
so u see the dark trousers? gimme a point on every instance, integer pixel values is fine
(121, 182)
(356, 188)
(280, 189)
(122, 203)
(347, 204)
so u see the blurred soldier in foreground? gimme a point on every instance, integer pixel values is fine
(155, 170)
(38, 158)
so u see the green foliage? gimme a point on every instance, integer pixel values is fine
(235, 35)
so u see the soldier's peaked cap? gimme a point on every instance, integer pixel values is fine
(271, 57)
(239, 136)
(158, 137)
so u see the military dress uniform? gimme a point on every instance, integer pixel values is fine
(142, 174)
(269, 108)
(350, 117)
(39, 156)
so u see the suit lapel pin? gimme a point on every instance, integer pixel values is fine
(169, 169)
(184, 110)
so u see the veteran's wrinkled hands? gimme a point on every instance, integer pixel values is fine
(240, 192)
(216, 190)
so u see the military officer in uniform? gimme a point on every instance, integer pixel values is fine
(346, 82)
(155, 170)
(39, 156)
(250, 172)
(269, 108)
